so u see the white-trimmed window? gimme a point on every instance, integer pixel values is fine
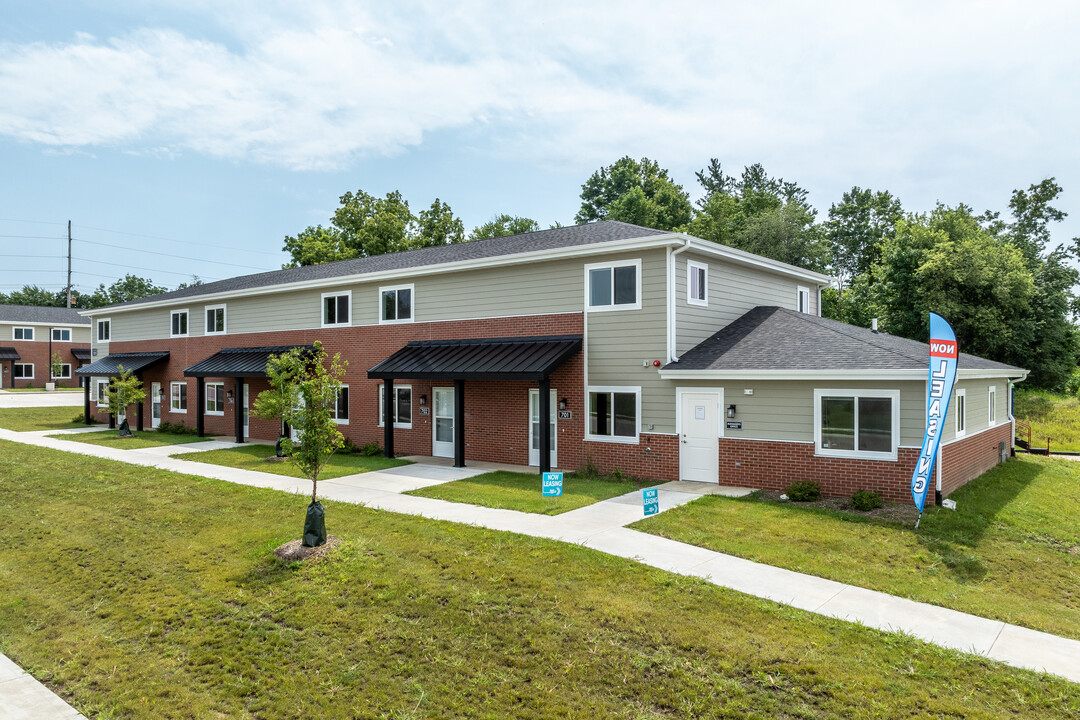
(697, 283)
(991, 402)
(23, 371)
(215, 320)
(22, 333)
(396, 304)
(65, 372)
(960, 409)
(857, 423)
(341, 406)
(178, 324)
(61, 334)
(335, 308)
(178, 397)
(104, 330)
(101, 386)
(613, 285)
(402, 406)
(215, 398)
(614, 414)
(802, 299)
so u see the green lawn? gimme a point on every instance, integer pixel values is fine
(1050, 415)
(139, 593)
(142, 439)
(254, 457)
(1010, 551)
(521, 491)
(39, 418)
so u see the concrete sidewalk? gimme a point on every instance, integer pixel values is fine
(601, 526)
(24, 698)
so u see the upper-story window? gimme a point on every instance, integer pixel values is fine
(23, 333)
(803, 299)
(335, 308)
(613, 285)
(61, 334)
(179, 326)
(104, 330)
(215, 320)
(396, 304)
(697, 283)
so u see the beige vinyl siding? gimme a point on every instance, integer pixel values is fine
(978, 409)
(621, 341)
(733, 290)
(79, 333)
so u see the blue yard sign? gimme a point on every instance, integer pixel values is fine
(943, 355)
(650, 499)
(552, 486)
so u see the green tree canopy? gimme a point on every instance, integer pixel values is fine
(857, 227)
(641, 193)
(125, 390)
(503, 225)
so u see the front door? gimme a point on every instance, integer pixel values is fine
(699, 450)
(155, 405)
(534, 428)
(442, 427)
(247, 430)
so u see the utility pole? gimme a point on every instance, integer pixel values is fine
(69, 267)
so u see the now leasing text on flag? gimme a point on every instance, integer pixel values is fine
(943, 354)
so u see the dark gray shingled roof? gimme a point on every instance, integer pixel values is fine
(35, 314)
(554, 238)
(513, 358)
(774, 338)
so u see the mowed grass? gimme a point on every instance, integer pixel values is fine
(139, 593)
(1010, 551)
(255, 457)
(522, 491)
(141, 439)
(31, 419)
(1049, 415)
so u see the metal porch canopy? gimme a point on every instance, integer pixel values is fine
(109, 365)
(81, 354)
(9, 353)
(513, 358)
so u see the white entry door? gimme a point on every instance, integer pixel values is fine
(699, 450)
(442, 427)
(247, 431)
(155, 405)
(534, 428)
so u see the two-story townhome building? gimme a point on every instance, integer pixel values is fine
(654, 352)
(29, 336)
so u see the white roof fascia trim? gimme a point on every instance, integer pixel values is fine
(866, 374)
(756, 260)
(646, 243)
(65, 324)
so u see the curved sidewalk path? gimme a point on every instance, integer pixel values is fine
(601, 526)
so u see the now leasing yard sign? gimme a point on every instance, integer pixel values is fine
(552, 484)
(943, 354)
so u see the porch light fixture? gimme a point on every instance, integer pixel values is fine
(562, 404)
(228, 394)
(423, 399)
(731, 411)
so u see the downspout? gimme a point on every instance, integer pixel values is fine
(672, 334)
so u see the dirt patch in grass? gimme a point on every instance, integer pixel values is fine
(294, 550)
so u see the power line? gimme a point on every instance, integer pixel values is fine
(33, 237)
(136, 267)
(185, 242)
(35, 222)
(168, 255)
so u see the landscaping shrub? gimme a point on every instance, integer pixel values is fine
(865, 500)
(173, 428)
(804, 491)
(348, 447)
(78, 418)
(371, 450)
(589, 470)
(617, 475)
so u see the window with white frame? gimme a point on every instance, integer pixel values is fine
(991, 401)
(61, 334)
(22, 333)
(101, 385)
(23, 371)
(697, 283)
(65, 372)
(857, 423)
(960, 409)
(335, 308)
(402, 406)
(215, 398)
(614, 413)
(178, 397)
(396, 304)
(613, 286)
(802, 302)
(104, 330)
(215, 320)
(179, 326)
(341, 406)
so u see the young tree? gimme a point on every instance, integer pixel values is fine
(282, 372)
(124, 389)
(56, 365)
(641, 193)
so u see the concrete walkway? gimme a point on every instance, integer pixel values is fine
(601, 526)
(24, 698)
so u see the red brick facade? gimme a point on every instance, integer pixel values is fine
(969, 458)
(37, 353)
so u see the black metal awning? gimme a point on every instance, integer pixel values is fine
(82, 354)
(9, 353)
(524, 358)
(239, 362)
(109, 365)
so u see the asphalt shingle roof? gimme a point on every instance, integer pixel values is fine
(774, 338)
(35, 314)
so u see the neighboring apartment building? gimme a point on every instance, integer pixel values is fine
(29, 336)
(654, 352)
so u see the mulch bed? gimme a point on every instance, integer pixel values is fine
(294, 550)
(895, 512)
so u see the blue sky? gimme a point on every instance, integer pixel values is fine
(210, 130)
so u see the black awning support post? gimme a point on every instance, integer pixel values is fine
(200, 406)
(86, 401)
(545, 425)
(139, 407)
(238, 409)
(388, 417)
(459, 423)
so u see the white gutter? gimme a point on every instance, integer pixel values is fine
(672, 334)
(839, 374)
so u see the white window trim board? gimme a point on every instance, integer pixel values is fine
(220, 399)
(382, 409)
(322, 309)
(15, 329)
(411, 287)
(224, 320)
(991, 407)
(857, 393)
(618, 439)
(691, 266)
(960, 393)
(23, 377)
(799, 292)
(174, 313)
(108, 321)
(636, 263)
